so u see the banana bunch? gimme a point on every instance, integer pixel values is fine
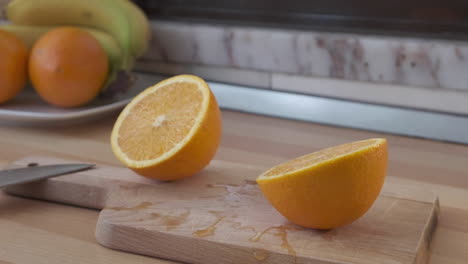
(120, 26)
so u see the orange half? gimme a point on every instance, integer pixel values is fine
(328, 188)
(170, 130)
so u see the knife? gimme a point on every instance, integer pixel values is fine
(35, 173)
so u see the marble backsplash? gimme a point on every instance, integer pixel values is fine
(374, 59)
(441, 100)
(408, 72)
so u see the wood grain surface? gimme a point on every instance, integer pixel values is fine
(32, 231)
(221, 216)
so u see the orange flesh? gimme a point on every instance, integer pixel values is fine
(317, 157)
(160, 121)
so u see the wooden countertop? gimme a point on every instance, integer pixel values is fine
(34, 231)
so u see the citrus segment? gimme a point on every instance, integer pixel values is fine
(330, 187)
(169, 131)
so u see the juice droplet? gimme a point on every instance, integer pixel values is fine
(285, 243)
(281, 232)
(238, 225)
(210, 230)
(173, 221)
(225, 186)
(259, 235)
(260, 255)
(140, 206)
(153, 216)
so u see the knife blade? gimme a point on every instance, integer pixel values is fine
(29, 174)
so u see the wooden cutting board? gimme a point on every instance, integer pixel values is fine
(220, 216)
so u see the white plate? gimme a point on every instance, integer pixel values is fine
(29, 109)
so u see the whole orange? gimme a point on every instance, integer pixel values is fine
(68, 67)
(13, 65)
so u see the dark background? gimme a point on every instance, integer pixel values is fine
(432, 18)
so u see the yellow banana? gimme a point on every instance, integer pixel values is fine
(140, 31)
(104, 15)
(28, 34)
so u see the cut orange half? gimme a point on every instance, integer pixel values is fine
(170, 130)
(328, 188)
